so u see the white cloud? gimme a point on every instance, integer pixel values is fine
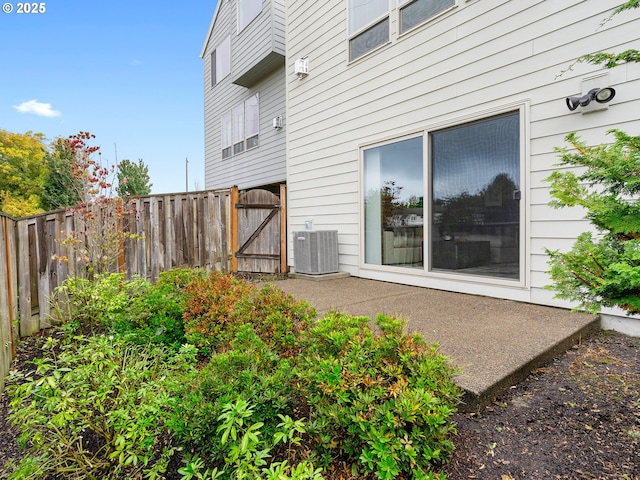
(135, 62)
(37, 108)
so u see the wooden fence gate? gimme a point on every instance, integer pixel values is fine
(258, 231)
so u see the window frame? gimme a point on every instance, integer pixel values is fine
(217, 59)
(256, 13)
(226, 135)
(236, 136)
(521, 108)
(252, 134)
(366, 27)
(403, 4)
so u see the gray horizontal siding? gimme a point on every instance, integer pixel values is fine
(262, 165)
(266, 163)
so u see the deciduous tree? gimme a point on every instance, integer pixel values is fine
(98, 239)
(59, 189)
(22, 170)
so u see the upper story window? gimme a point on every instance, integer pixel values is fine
(368, 26)
(240, 127)
(252, 121)
(247, 11)
(227, 138)
(237, 120)
(414, 12)
(221, 61)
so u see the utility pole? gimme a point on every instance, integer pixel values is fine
(186, 166)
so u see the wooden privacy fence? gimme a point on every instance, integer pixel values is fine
(176, 230)
(8, 294)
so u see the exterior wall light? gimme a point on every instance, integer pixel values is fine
(301, 67)
(600, 95)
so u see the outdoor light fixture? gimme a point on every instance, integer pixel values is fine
(600, 95)
(301, 67)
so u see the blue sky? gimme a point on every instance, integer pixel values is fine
(128, 72)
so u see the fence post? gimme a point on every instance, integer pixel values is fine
(234, 228)
(10, 305)
(283, 228)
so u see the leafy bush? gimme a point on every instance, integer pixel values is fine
(249, 371)
(209, 306)
(93, 411)
(380, 401)
(277, 318)
(94, 305)
(216, 306)
(156, 310)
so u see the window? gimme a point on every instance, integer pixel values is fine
(368, 26)
(471, 223)
(226, 135)
(393, 204)
(237, 120)
(221, 61)
(414, 12)
(240, 127)
(252, 125)
(247, 11)
(475, 198)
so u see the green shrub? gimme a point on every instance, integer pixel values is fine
(209, 306)
(379, 402)
(155, 312)
(94, 305)
(600, 270)
(218, 305)
(248, 370)
(277, 318)
(93, 411)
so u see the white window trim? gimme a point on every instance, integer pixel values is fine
(226, 119)
(214, 66)
(239, 28)
(249, 135)
(364, 28)
(524, 281)
(402, 3)
(245, 135)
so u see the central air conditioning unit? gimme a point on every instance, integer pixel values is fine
(315, 252)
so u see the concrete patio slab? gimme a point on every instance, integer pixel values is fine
(495, 343)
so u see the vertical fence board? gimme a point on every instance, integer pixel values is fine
(12, 231)
(154, 240)
(284, 267)
(224, 211)
(5, 301)
(169, 241)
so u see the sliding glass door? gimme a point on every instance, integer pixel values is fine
(471, 224)
(475, 198)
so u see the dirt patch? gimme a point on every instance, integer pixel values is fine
(576, 418)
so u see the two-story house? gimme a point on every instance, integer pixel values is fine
(244, 95)
(423, 130)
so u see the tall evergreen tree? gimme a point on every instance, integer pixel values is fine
(133, 179)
